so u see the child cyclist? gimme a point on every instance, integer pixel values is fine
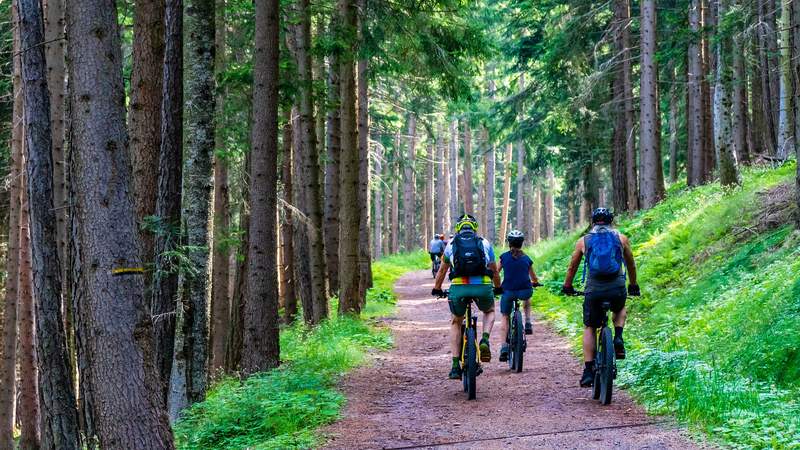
(519, 279)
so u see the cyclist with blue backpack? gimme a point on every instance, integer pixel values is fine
(608, 255)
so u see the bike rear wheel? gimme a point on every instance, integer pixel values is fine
(470, 365)
(607, 367)
(517, 343)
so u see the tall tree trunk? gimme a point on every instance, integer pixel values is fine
(739, 102)
(235, 343)
(785, 141)
(619, 139)
(444, 175)
(349, 169)
(509, 156)
(362, 84)
(428, 202)
(469, 207)
(522, 180)
(8, 327)
(378, 204)
(456, 204)
(438, 187)
(261, 341)
(28, 386)
(168, 201)
(395, 219)
(54, 33)
(795, 68)
(410, 240)
(111, 313)
(59, 422)
(191, 374)
(548, 215)
(757, 122)
(287, 227)
(695, 100)
(536, 219)
(622, 13)
(301, 224)
(767, 46)
(489, 174)
(307, 148)
(673, 127)
(220, 302)
(723, 137)
(333, 141)
(652, 175)
(145, 112)
(708, 26)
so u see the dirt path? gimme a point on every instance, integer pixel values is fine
(404, 399)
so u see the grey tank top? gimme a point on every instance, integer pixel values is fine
(594, 284)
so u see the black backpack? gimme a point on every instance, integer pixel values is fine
(469, 258)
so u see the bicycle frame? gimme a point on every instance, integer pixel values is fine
(470, 321)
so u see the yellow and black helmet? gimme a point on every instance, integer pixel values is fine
(466, 221)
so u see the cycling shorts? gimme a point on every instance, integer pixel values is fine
(483, 294)
(592, 304)
(436, 255)
(507, 300)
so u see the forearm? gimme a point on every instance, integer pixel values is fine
(631, 272)
(440, 275)
(533, 276)
(495, 274)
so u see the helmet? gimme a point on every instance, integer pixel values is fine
(466, 221)
(602, 216)
(515, 238)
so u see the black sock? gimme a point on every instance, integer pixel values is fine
(618, 332)
(486, 336)
(589, 365)
(456, 362)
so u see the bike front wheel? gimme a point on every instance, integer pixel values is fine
(470, 365)
(607, 366)
(517, 343)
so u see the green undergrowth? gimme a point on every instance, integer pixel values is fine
(715, 337)
(283, 408)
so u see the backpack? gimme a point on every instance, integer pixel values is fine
(469, 258)
(603, 255)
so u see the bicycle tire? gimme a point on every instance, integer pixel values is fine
(519, 342)
(596, 383)
(608, 363)
(471, 372)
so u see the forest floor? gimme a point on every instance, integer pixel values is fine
(404, 399)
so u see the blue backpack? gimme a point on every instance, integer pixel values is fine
(603, 255)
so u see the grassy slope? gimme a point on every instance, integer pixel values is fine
(715, 339)
(283, 408)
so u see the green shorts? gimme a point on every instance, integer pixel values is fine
(483, 294)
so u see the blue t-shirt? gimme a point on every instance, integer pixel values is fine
(436, 246)
(515, 272)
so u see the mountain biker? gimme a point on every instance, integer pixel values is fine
(519, 279)
(436, 247)
(605, 249)
(473, 273)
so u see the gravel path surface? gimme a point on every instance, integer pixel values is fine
(404, 399)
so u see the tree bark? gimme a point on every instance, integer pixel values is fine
(333, 138)
(235, 343)
(437, 182)
(428, 202)
(145, 112)
(301, 224)
(536, 220)
(112, 316)
(767, 46)
(795, 68)
(378, 203)
(488, 168)
(673, 127)
(8, 332)
(29, 373)
(362, 85)
(785, 140)
(444, 175)
(509, 156)
(739, 102)
(723, 137)
(652, 175)
(395, 219)
(548, 216)
(456, 204)
(220, 282)
(261, 341)
(695, 100)
(287, 228)
(59, 422)
(349, 219)
(757, 121)
(409, 209)
(54, 33)
(467, 184)
(622, 17)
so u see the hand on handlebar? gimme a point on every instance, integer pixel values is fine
(536, 284)
(634, 291)
(498, 291)
(438, 293)
(568, 290)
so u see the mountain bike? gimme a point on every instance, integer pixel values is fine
(517, 343)
(470, 351)
(605, 359)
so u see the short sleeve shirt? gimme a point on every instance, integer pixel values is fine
(436, 246)
(516, 271)
(490, 258)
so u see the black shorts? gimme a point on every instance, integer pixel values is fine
(592, 305)
(435, 255)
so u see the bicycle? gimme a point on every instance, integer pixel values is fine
(605, 358)
(470, 351)
(437, 263)
(517, 343)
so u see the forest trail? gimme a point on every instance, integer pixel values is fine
(404, 399)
